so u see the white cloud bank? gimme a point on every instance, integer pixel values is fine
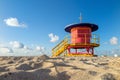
(13, 22)
(26, 47)
(5, 50)
(39, 48)
(16, 44)
(53, 38)
(114, 41)
(16, 48)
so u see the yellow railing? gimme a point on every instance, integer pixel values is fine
(62, 46)
(93, 39)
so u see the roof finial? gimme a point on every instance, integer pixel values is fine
(80, 18)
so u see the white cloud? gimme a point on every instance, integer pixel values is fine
(26, 47)
(16, 48)
(39, 48)
(5, 50)
(16, 44)
(53, 38)
(13, 22)
(114, 41)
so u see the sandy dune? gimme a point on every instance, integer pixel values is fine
(69, 68)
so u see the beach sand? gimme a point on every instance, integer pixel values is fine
(60, 68)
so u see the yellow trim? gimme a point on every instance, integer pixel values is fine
(75, 55)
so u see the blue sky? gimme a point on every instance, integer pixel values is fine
(34, 20)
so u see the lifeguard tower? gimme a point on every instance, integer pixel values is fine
(81, 41)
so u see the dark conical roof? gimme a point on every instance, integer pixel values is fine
(93, 27)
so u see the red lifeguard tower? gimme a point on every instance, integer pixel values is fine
(81, 42)
(81, 38)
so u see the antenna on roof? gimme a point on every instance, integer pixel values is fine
(80, 17)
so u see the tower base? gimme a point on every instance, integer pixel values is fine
(75, 55)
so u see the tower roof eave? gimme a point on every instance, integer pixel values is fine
(93, 27)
